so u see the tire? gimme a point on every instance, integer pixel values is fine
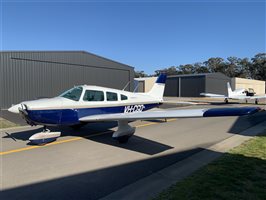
(123, 139)
(77, 126)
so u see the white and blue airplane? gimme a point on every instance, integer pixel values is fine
(238, 94)
(84, 104)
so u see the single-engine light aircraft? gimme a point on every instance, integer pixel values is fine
(238, 94)
(84, 104)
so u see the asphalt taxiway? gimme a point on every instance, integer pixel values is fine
(89, 164)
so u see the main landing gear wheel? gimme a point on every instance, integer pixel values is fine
(76, 127)
(256, 101)
(124, 132)
(123, 139)
(226, 100)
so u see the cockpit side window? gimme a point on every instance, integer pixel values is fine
(93, 95)
(73, 94)
(123, 97)
(111, 96)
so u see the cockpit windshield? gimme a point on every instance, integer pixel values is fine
(73, 94)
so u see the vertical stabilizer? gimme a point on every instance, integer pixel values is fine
(229, 90)
(158, 88)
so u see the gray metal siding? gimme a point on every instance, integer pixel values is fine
(171, 87)
(217, 83)
(192, 86)
(29, 75)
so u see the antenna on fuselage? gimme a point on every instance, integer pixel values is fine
(136, 87)
(126, 85)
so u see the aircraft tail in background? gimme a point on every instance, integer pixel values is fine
(229, 90)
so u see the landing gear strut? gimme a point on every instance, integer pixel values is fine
(124, 132)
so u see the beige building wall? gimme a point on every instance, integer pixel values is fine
(258, 86)
(148, 82)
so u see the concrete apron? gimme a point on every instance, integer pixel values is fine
(152, 185)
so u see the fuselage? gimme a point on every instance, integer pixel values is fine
(81, 101)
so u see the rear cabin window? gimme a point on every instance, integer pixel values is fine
(93, 95)
(123, 97)
(111, 96)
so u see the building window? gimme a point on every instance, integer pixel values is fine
(111, 96)
(93, 95)
(123, 97)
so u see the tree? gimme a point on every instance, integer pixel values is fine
(139, 74)
(200, 68)
(215, 65)
(232, 67)
(186, 69)
(258, 67)
(168, 71)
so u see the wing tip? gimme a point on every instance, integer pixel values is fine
(219, 112)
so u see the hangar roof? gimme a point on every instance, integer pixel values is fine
(217, 74)
(81, 58)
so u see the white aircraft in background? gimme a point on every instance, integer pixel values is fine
(84, 104)
(238, 94)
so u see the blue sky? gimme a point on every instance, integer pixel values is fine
(144, 34)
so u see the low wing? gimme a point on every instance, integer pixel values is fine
(213, 95)
(258, 97)
(240, 97)
(211, 112)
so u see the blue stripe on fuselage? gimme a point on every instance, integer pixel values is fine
(72, 116)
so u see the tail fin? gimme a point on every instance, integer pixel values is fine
(229, 89)
(158, 88)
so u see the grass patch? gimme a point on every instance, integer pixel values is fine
(6, 124)
(239, 174)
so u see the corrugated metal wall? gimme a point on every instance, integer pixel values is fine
(217, 83)
(192, 85)
(30, 75)
(172, 87)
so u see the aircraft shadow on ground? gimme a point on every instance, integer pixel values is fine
(135, 143)
(99, 183)
(95, 184)
(244, 122)
(101, 133)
